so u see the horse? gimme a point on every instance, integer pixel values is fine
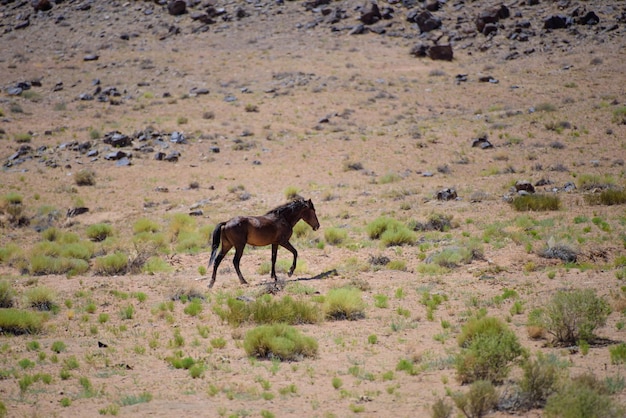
(275, 227)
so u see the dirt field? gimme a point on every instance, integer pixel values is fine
(272, 99)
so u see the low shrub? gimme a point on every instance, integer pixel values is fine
(7, 294)
(571, 316)
(279, 341)
(99, 232)
(111, 264)
(582, 397)
(85, 177)
(618, 353)
(536, 202)
(41, 298)
(344, 303)
(146, 225)
(595, 181)
(435, 222)
(607, 197)
(455, 256)
(335, 236)
(269, 310)
(541, 378)
(488, 349)
(481, 398)
(441, 409)
(19, 321)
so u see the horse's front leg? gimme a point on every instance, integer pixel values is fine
(274, 255)
(290, 247)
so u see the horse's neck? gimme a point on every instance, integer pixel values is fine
(292, 217)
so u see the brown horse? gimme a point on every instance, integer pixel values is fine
(275, 227)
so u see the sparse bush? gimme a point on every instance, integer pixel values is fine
(481, 398)
(58, 346)
(193, 308)
(536, 202)
(571, 316)
(18, 321)
(595, 181)
(85, 177)
(41, 298)
(541, 378)
(607, 197)
(455, 256)
(488, 348)
(269, 310)
(145, 225)
(279, 341)
(435, 222)
(559, 251)
(583, 397)
(335, 236)
(619, 115)
(111, 264)
(7, 294)
(99, 232)
(291, 192)
(344, 303)
(618, 353)
(441, 409)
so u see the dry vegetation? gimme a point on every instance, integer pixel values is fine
(429, 308)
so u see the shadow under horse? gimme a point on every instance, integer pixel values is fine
(275, 228)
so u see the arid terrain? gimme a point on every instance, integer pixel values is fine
(122, 114)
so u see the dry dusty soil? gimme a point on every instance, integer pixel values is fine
(230, 108)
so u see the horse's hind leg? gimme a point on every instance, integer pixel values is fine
(274, 254)
(238, 254)
(225, 248)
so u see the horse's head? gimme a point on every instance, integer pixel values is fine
(309, 216)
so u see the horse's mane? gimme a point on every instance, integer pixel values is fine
(292, 206)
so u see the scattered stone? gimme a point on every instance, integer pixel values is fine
(123, 162)
(482, 143)
(371, 15)
(524, 186)
(116, 155)
(197, 91)
(491, 16)
(41, 5)
(440, 52)
(117, 139)
(91, 57)
(446, 194)
(178, 138)
(172, 156)
(557, 22)
(198, 212)
(488, 79)
(425, 20)
(177, 7)
(76, 211)
(569, 187)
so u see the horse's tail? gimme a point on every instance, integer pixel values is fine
(217, 237)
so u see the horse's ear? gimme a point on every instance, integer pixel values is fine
(310, 203)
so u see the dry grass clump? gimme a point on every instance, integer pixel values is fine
(344, 303)
(536, 202)
(435, 222)
(85, 177)
(279, 341)
(19, 321)
(607, 197)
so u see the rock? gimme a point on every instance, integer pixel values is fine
(172, 156)
(524, 185)
(446, 194)
(588, 19)
(492, 15)
(76, 211)
(371, 15)
(197, 91)
(569, 187)
(41, 5)
(557, 22)
(178, 138)
(117, 139)
(116, 155)
(177, 7)
(440, 52)
(123, 162)
(91, 57)
(426, 21)
(482, 143)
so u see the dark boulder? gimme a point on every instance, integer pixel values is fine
(41, 5)
(371, 15)
(441, 52)
(557, 22)
(177, 7)
(447, 194)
